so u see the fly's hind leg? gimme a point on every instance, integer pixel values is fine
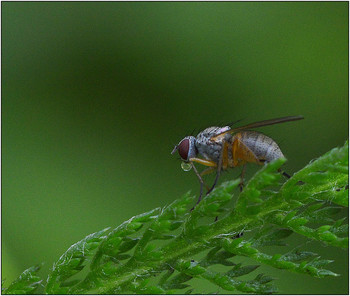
(288, 177)
(284, 173)
(241, 154)
(241, 184)
(279, 170)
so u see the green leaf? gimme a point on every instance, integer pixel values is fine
(297, 255)
(26, 283)
(161, 251)
(238, 270)
(324, 179)
(71, 262)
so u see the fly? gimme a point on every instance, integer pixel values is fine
(225, 147)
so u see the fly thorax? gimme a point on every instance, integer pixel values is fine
(208, 148)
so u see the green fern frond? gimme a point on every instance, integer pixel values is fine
(26, 283)
(161, 251)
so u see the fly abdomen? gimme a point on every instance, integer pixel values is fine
(264, 148)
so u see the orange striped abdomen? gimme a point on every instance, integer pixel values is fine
(262, 146)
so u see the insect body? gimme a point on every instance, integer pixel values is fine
(223, 147)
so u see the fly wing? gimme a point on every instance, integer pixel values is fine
(258, 124)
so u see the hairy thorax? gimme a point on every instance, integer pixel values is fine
(209, 149)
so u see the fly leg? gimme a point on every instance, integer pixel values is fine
(279, 170)
(288, 177)
(222, 164)
(284, 173)
(205, 172)
(241, 184)
(201, 186)
(216, 179)
(223, 161)
(199, 176)
(211, 165)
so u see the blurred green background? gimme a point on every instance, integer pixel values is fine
(96, 95)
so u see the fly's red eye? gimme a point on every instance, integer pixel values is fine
(183, 148)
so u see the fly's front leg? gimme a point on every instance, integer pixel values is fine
(201, 186)
(205, 162)
(211, 164)
(201, 182)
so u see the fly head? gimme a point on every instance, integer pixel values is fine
(186, 148)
